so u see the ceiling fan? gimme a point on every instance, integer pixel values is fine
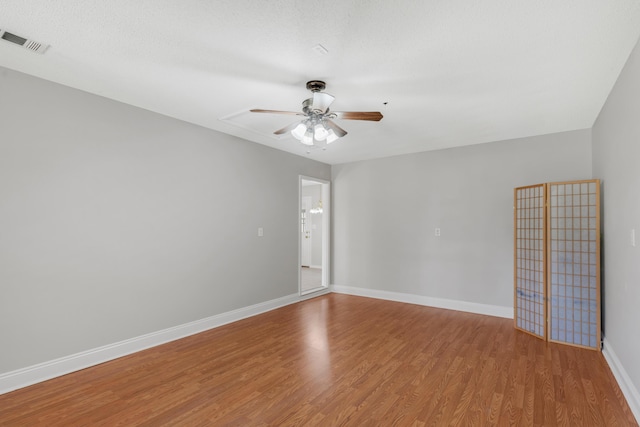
(317, 124)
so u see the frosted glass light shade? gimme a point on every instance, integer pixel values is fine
(298, 131)
(331, 136)
(307, 139)
(321, 101)
(320, 133)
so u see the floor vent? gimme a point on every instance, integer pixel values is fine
(31, 45)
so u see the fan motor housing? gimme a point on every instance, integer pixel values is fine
(316, 85)
(306, 105)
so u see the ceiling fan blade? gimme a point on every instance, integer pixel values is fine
(321, 101)
(336, 129)
(374, 116)
(286, 129)
(293, 113)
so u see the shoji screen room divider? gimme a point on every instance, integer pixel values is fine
(557, 261)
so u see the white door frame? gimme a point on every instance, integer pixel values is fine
(326, 231)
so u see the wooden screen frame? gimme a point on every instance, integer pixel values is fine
(598, 238)
(547, 255)
(543, 190)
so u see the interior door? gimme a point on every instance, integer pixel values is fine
(305, 232)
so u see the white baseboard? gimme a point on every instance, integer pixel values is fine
(14, 380)
(626, 385)
(471, 307)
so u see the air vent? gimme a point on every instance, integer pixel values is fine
(31, 45)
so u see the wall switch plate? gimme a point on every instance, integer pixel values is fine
(260, 232)
(437, 232)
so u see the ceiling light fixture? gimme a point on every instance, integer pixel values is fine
(312, 131)
(318, 127)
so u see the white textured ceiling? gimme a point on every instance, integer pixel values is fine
(453, 72)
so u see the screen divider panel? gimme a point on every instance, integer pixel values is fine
(530, 260)
(573, 245)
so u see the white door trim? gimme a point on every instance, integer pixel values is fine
(326, 231)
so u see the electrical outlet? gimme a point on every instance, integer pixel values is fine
(437, 232)
(632, 237)
(260, 232)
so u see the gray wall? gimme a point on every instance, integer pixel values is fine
(616, 160)
(116, 222)
(386, 210)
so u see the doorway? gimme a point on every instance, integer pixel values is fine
(313, 241)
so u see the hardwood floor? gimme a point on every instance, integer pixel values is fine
(337, 360)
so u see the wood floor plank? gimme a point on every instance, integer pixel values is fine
(337, 360)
